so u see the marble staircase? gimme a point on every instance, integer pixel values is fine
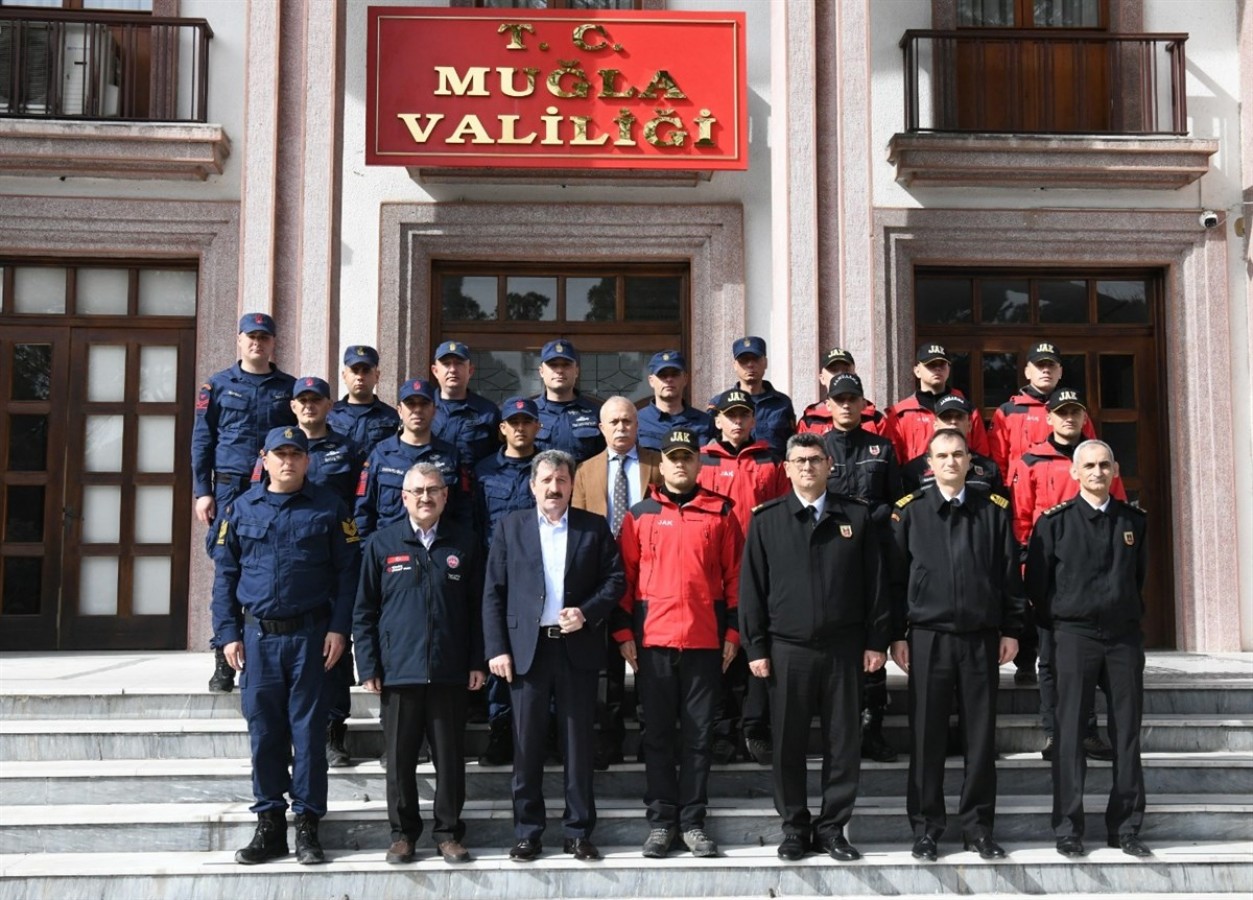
(120, 776)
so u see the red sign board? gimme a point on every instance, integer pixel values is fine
(556, 89)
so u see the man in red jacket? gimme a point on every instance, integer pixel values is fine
(1022, 420)
(909, 425)
(677, 629)
(817, 416)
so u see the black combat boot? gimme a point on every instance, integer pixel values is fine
(874, 745)
(223, 680)
(336, 753)
(499, 750)
(308, 848)
(269, 842)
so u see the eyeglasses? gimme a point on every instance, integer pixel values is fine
(807, 462)
(426, 491)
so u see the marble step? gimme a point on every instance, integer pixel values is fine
(1202, 871)
(151, 738)
(1214, 697)
(197, 780)
(489, 823)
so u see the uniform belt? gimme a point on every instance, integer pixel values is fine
(231, 477)
(288, 626)
(551, 631)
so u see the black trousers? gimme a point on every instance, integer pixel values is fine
(939, 665)
(611, 698)
(551, 674)
(1048, 689)
(823, 681)
(339, 682)
(1028, 641)
(679, 690)
(435, 712)
(1117, 667)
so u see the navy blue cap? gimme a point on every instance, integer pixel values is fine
(845, 383)
(259, 321)
(360, 353)
(951, 403)
(750, 344)
(311, 384)
(286, 436)
(559, 349)
(415, 387)
(452, 348)
(519, 406)
(732, 399)
(667, 359)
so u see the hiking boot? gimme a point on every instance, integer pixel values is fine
(223, 680)
(659, 841)
(336, 753)
(699, 843)
(268, 842)
(308, 847)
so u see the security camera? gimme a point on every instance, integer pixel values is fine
(1208, 219)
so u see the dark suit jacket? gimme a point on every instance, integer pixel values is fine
(591, 482)
(513, 588)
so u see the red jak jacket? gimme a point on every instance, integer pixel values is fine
(749, 478)
(910, 425)
(1020, 423)
(816, 419)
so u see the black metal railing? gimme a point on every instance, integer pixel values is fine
(76, 64)
(1044, 81)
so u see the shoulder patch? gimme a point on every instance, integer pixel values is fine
(351, 535)
(999, 500)
(1054, 510)
(769, 504)
(907, 499)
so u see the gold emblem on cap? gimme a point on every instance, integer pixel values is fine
(287, 433)
(748, 342)
(683, 436)
(935, 348)
(361, 351)
(559, 348)
(665, 357)
(1045, 348)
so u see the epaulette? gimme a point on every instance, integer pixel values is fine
(849, 498)
(999, 500)
(768, 504)
(1054, 510)
(908, 499)
(1135, 507)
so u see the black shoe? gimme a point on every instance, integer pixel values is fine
(268, 842)
(1130, 845)
(1071, 846)
(659, 842)
(1095, 748)
(924, 848)
(580, 848)
(223, 680)
(792, 847)
(608, 753)
(874, 745)
(837, 846)
(499, 749)
(760, 749)
(1026, 676)
(526, 850)
(308, 847)
(1046, 752)
(723, 750)
(986, 847)
(336, 753)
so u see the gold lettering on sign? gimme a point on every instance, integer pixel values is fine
(578, 89)
(472, 84)
(507, 124)
(665, 117)
(624, 121)
(471, 125)
(413, 121)
(581, 43)
(608, 84)
(704, 129)
(507, 78)
(580, 138)
(515, 30)
(551, 121)
(664, 83)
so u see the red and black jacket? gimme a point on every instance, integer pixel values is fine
(816, 419)
(1040, 480)
(1020, 423)
(911, 423)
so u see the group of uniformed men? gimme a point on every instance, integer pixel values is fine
(527, 547)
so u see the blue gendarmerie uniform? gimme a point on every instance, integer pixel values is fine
(287, 567)
(335, 462)
(234, 412)
(502, 484)
(654, 425)
(379, 501)
(365, 424)
(572, 426)
(775, 417)
(471, 425)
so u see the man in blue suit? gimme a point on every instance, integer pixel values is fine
(553, 577)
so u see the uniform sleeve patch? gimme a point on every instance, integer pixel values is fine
(999, 501)
(202, 398)
(350, 531)
(906, 500)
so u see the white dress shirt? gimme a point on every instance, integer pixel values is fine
(553, 538)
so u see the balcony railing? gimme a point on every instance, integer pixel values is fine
(1039, 81)
(93, 65)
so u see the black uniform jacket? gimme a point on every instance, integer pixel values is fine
(804, 583)
(1086, 568)
(865, 466)
(417, 616)
(955, 569)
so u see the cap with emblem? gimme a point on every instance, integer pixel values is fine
(845, 383)
(748, 345)
(415, 387)
(951, 403)
(1042, 351)
(311, 384)
(258, 321)
(452, 348)
(559, 349)
(519, 406)
(680, 439)
(1065, 397)
(928, 353)
(733, 399)
(359, 353)
(837, 355)
(286, 436)
(667, 359)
